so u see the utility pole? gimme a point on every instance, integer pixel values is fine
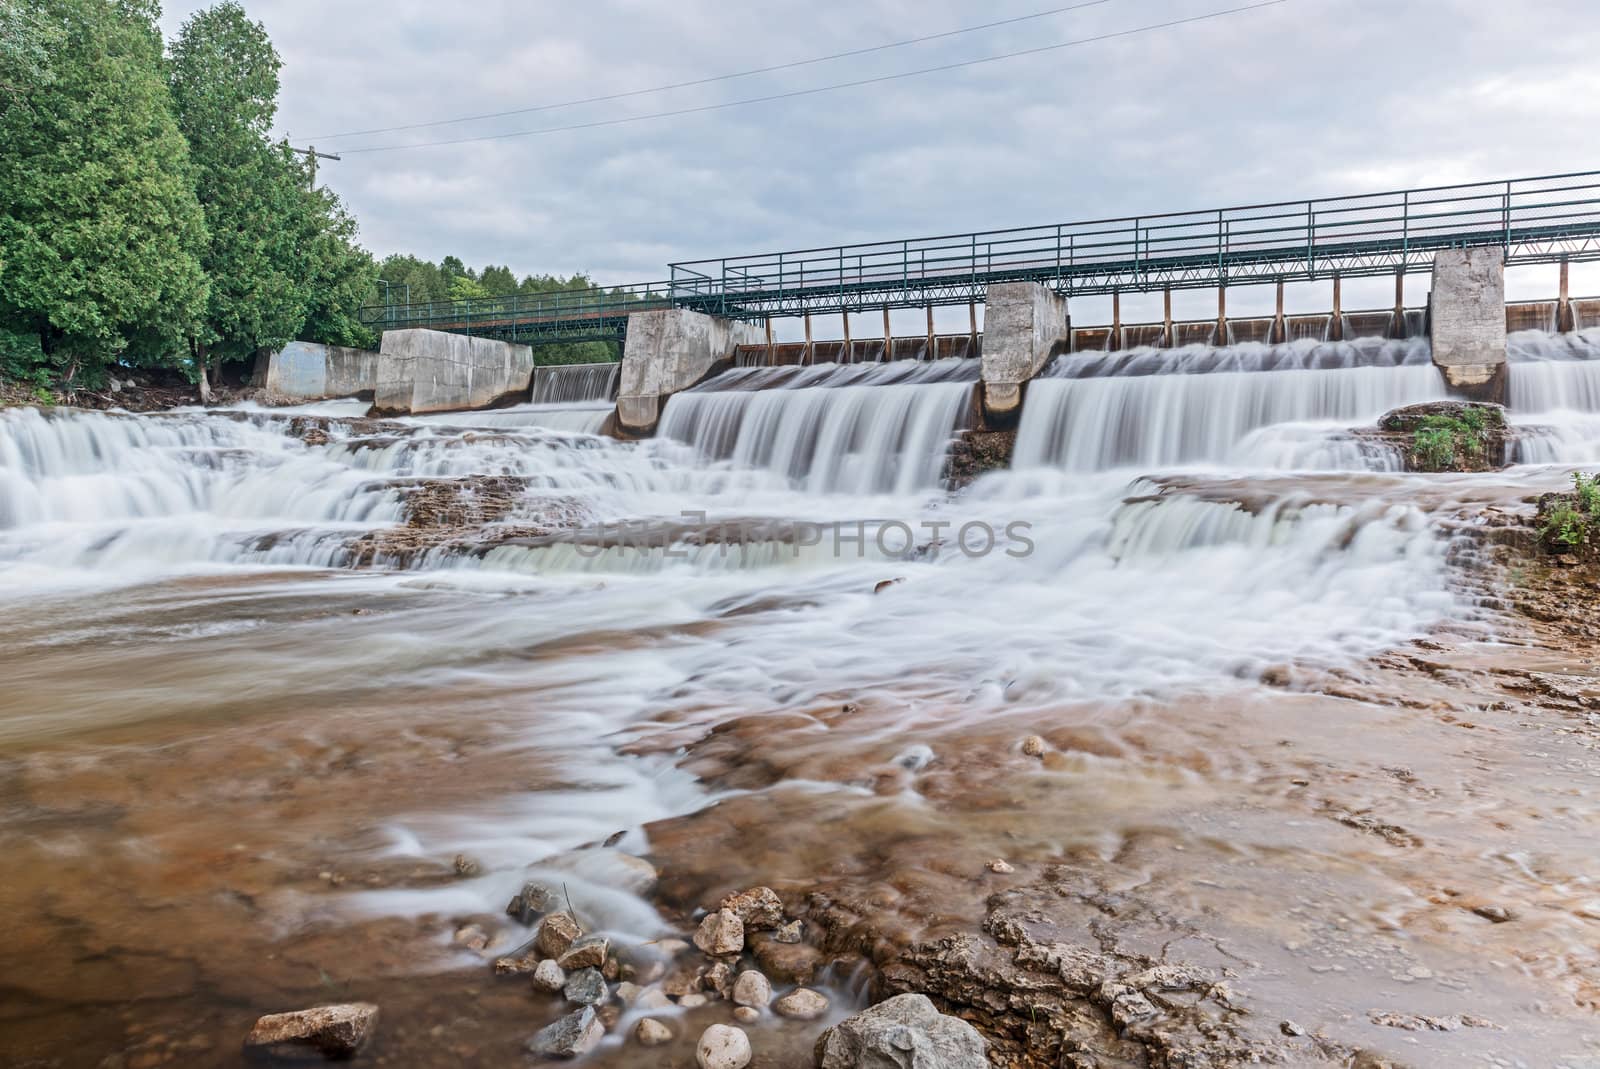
(313, 155)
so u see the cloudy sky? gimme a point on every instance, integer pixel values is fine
(1306, 98)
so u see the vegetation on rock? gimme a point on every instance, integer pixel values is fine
(1567, 522)
(1443, 436)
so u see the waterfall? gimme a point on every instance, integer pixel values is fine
(839, 428)
(1553, 396)
(565, 384)
(1287, 406)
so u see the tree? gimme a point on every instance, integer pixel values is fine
(26, 41)
(223, 73)
(339, 273)
(98, 217)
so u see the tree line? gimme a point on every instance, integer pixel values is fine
(148, 218)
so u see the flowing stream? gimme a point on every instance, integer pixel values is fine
(224, 702)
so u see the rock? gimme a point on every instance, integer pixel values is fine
(627, 991)
(722, 1047)
(586, 987)
(1034, 746)
(681, 981)
(801, 1004)
(549, 977)
(532, 902)
(905, 1031)
(466, 867)
(611, 969)
(1001, 866)
(1442, 436)
(331, 1032)
(794, 963)
(751, 988)
(574, 1035)
(1289, 1028)
(720, 933)
(652, 998)
(652, 1033)
(758, 909)
(746, 1014)
(471, 937)
(1498, 914)
(517, 964)
(606, 866)
(557, 933)
(792, 932)
(693, 1001)
(588, 952)
(718, 978)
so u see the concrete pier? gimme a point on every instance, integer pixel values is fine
(422, 371)
(669, 350)
(309, 371)
(1467, 321)
(1024, 326)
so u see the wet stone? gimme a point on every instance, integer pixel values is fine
(794, 963)
(722, 1047)
(331, 1032)
(549, 977)
(586, 987)
(532, 902)
(907, 1030)
(1034, 746)
(575, 1034)
(588, 952)
(746, 1014)
(758, 908)
(752, 988)
(652, 1033)
(801, 1004)
(557, 933)
(718, 978)
(791, 932)
(720, 933)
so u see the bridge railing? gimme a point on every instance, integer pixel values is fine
(1534, 219)
(571, 309)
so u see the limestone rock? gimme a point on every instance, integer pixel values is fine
(652, 1033)
(557, 933)
(652, 998)
(1034, 746)
(574, 1035)
(627, 991)
(792, 932)
(758, 908)
(693, 1001)
(746, 1014)
(471, 937)
(720, 933)
(532, 902)
(1001, 866)
(794, 963)
(752, 989)
(717, 979)
(801, 1004)
(549, 977)
(332, 1032)
(586, 987)
(905, 1032)
(722, 1046)
(587, 952)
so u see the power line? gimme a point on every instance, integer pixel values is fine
(724, 77)
(826, 88)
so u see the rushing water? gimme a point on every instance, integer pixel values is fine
(201, 568)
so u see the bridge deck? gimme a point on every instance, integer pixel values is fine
(1535, 220)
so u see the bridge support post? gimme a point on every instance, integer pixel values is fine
(1564, 318)
(1114, 343)
(1222, 315)
(811, 356)
(1167, 340)
(1467, 321)
(1025, 325)
(1280, 327)
(668, 350)
(933, 346)
(1397, 324)
(972, 327)
(1336, 324)
(888, 337)
(849, 354)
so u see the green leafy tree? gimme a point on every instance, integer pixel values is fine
(26, 41)
(99, 224)
(339, 273)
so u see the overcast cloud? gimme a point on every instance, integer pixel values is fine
(1313, 97)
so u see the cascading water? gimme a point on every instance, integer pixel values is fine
(565, 384)
(1553, 397)
(1279, 406)
(831, 428)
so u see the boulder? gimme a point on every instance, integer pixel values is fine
(722, 1046)
(751, 988)
(906, 1032)
(794, 963)
(574, 1035)
(331, 1032)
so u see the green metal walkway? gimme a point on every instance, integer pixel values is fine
(1534, 220)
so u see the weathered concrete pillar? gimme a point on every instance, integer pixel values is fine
(309, 371)
(422, 371)
(667, 350)
(1467, 321)
(1024, 326)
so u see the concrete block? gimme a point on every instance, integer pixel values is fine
(422, 371)
(1467, 321)
(668, 350)
(308, 371)
(1025, 325)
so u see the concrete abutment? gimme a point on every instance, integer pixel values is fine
(1467, 322)
(669, 350)
(422, 371)
(1025, 325)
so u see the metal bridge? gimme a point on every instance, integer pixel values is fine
(1545, 219)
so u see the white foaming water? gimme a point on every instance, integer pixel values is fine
(1096, 590)
(844, 428)
(1251, 406)
(1553, 397)
(566, 384)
